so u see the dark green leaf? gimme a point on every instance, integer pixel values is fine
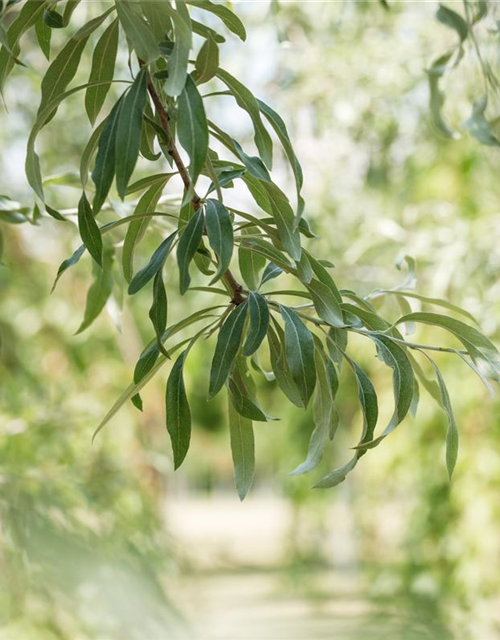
(192, 127)
(279, 365)
(220, 235)
(89, 231)
(259, 323)
(143, 276)
(207, 61)
(188, 245)
(43, 35)
(129, 130)
(228, 343)
(251, 265)
(138, 32)
(270, 272)
(325, 303)
(158, 311)
(178, 413)
(69, 262)
(243, 404)
(99, 291)
(102, 70)
(299, 349)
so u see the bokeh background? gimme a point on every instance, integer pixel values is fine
(102, 541)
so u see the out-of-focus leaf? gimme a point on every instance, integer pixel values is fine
(220, 235)
(436, 95)
(188, 245)
(453, 20)
(143, 276)
(242, 449)
(299, 351)
(479, 127)
(192, 128)
(102, 70)
(178, 412)
(99, 291)
(129, 131)
(230, 19)
(69, 262)
(259, 323)
(228, 343)
(89, 231)
(138, 32)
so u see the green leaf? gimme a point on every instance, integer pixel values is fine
(102, 70)
(251, 265)
(299, 349)
(325, 303)
(228, 343)
(206, 32)
(231, 20)
(243, 404)
(207, 61)
(259, 323)
(43, 36)
(369, 407)
(220, 235)
(178, 413)
(453, 20)
(89, 231)
(69, 262)
(88, 153)
(323, 413)
(323, 276)
(253, 164)
(192, 128)
(479, 347)
(243, 450)
(247, 101)
(159, 309)
(279, 127)
(188, 245)
(284, 218)
(279, 365)
(137, 228)
(137, 31)
(179, 58)
(104, 169)
(436, 95)
(143, 276)
(479, 127)
(270, 272)
(99, 291)
(129, 130)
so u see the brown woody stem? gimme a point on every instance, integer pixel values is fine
(235, 287)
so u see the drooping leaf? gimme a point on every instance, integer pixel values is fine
(325, 303)
(192, 127)
(69, 262)
(230, 19)
(179, 57)
(479, 126)
(159, 308)
(279, 365)
(243, 450)
(188, 245)
(437, 97)
(454, 20)
(102, 70)
(89, 231)
(178, 412)
(138, 32)
(251, 265)
(259, 323)
(283, 215)
(228, 343)
(220, 235)
(128, 131)
(270, 272)
(99, 291)
(143, 276)
(299, 349)
(207, 61)
(243, 404)
(43, 36)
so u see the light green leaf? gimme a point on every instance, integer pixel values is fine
(89, 231)
(284, 218)
(129, 130)
(242, 449)
(259, 323)
(178, 412)
(299, 350)
(279, 365)
(155, 264)
(230, 19)
(453, 20)
(188, 245)
(102, 70)
(228, 343)
(325, 303)
(88, 153)
(192, 128)
(179, 58)
(220, 235)
(69, 262)
(138, 32)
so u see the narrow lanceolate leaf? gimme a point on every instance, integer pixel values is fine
(102, 70)
(299, 349)
(143, 276)
(452, 432)
(403, 383)
(138, 32)
(129, 130)
(99, 291)
(159, 308)
(283, 215)
(325, 303)
(323, 413)
(43, 36)
(89, 231)
(279, 127)
(104, 169)
(228, 343)
(230, 19)
(69, 262)
(247, 101)
(369, 407)
(259, 323)
(270, 272)
(250, 264)
(207, 61)
(242, 449)
(243, 404)
(220, 235)
(279, 365)
(453, 20)
(137, 228)
(188, 245)
(192, 127)
(178, 413)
